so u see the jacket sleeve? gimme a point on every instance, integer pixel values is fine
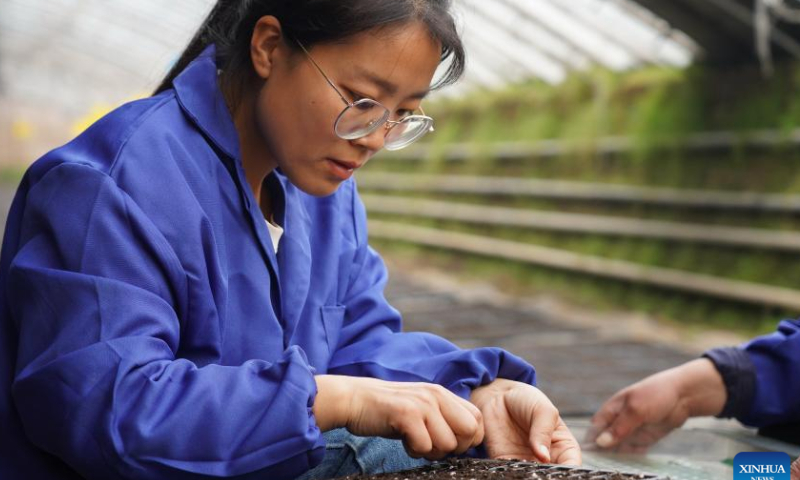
(372, 344)
(762, 377)
(98, 297)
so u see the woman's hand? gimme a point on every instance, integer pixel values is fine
(796, 469)
(432, 421)
(521, 422)
(638, 416)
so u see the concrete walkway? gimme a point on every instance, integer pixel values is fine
(579, 366)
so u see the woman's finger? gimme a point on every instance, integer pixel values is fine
(475, 411)
(500, 443)
(477, 437)
(544, 422)
(416, 439)
(480, 433)
(566, 450)
(443, 440)
(465, 420)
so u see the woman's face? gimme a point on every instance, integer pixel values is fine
(296, 108)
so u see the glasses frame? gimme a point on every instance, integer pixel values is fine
(384, 119)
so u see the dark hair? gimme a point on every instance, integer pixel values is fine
(230, 26)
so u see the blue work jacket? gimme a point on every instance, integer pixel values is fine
(150, 331)
(762, 377)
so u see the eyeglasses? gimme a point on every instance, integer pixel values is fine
(363, 116)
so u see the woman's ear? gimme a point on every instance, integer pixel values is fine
(267, 36)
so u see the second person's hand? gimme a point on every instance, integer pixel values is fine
(638, 416)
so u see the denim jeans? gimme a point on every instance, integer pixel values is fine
(347, 454)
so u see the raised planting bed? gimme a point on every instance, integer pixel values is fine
(476, 469)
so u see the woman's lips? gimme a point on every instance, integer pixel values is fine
(342, 170)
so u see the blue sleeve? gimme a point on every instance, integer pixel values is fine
(98, 298)
(762, 377)
(372, 344)
(739, 377)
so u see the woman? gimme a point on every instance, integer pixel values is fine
(188, 287)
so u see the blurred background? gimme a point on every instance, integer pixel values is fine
(611, 155)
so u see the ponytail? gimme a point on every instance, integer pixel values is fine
(218, 25)
(197, 44)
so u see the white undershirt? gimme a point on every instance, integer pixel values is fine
(275, 233)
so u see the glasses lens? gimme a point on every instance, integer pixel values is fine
(407, 132)
(360, 119)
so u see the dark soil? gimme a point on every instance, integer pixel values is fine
(474, 469)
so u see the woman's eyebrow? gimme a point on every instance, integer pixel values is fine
(386, 86)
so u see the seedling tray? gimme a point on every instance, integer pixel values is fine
(478, 469)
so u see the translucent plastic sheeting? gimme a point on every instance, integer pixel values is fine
(74, 54)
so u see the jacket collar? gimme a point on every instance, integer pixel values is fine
(200, 97)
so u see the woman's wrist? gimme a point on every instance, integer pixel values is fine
(480, 394)
(701, 387)
(332, 404)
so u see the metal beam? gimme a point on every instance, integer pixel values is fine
(581, 17)
(723, 28)
(499, 13)
(537, 22)
(635, 10)
(490, 33)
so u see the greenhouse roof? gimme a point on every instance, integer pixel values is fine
(72, 54)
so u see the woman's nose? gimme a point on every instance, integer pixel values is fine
(374, 141)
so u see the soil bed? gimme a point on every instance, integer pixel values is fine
(477, 469)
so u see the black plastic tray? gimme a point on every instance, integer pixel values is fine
(477, 469)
